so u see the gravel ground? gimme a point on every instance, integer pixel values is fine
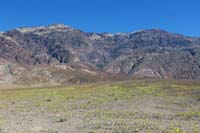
(118, 107)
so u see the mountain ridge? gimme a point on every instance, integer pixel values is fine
(115, 33)
(151, 53)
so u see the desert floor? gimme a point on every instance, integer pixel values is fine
(112, 107)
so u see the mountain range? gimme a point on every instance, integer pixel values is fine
(60, 54)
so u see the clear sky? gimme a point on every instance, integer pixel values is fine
(180, 16)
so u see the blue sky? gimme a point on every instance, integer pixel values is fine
(180, 16)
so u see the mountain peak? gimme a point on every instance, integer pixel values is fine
(44, 29)
(58, 26)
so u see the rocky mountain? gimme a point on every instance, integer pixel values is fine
(61, 54)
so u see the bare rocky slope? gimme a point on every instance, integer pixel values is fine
(61, 54)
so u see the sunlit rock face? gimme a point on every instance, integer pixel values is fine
(150, 53)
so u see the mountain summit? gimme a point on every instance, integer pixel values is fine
(48, 50)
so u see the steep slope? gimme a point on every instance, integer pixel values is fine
(150, 53)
